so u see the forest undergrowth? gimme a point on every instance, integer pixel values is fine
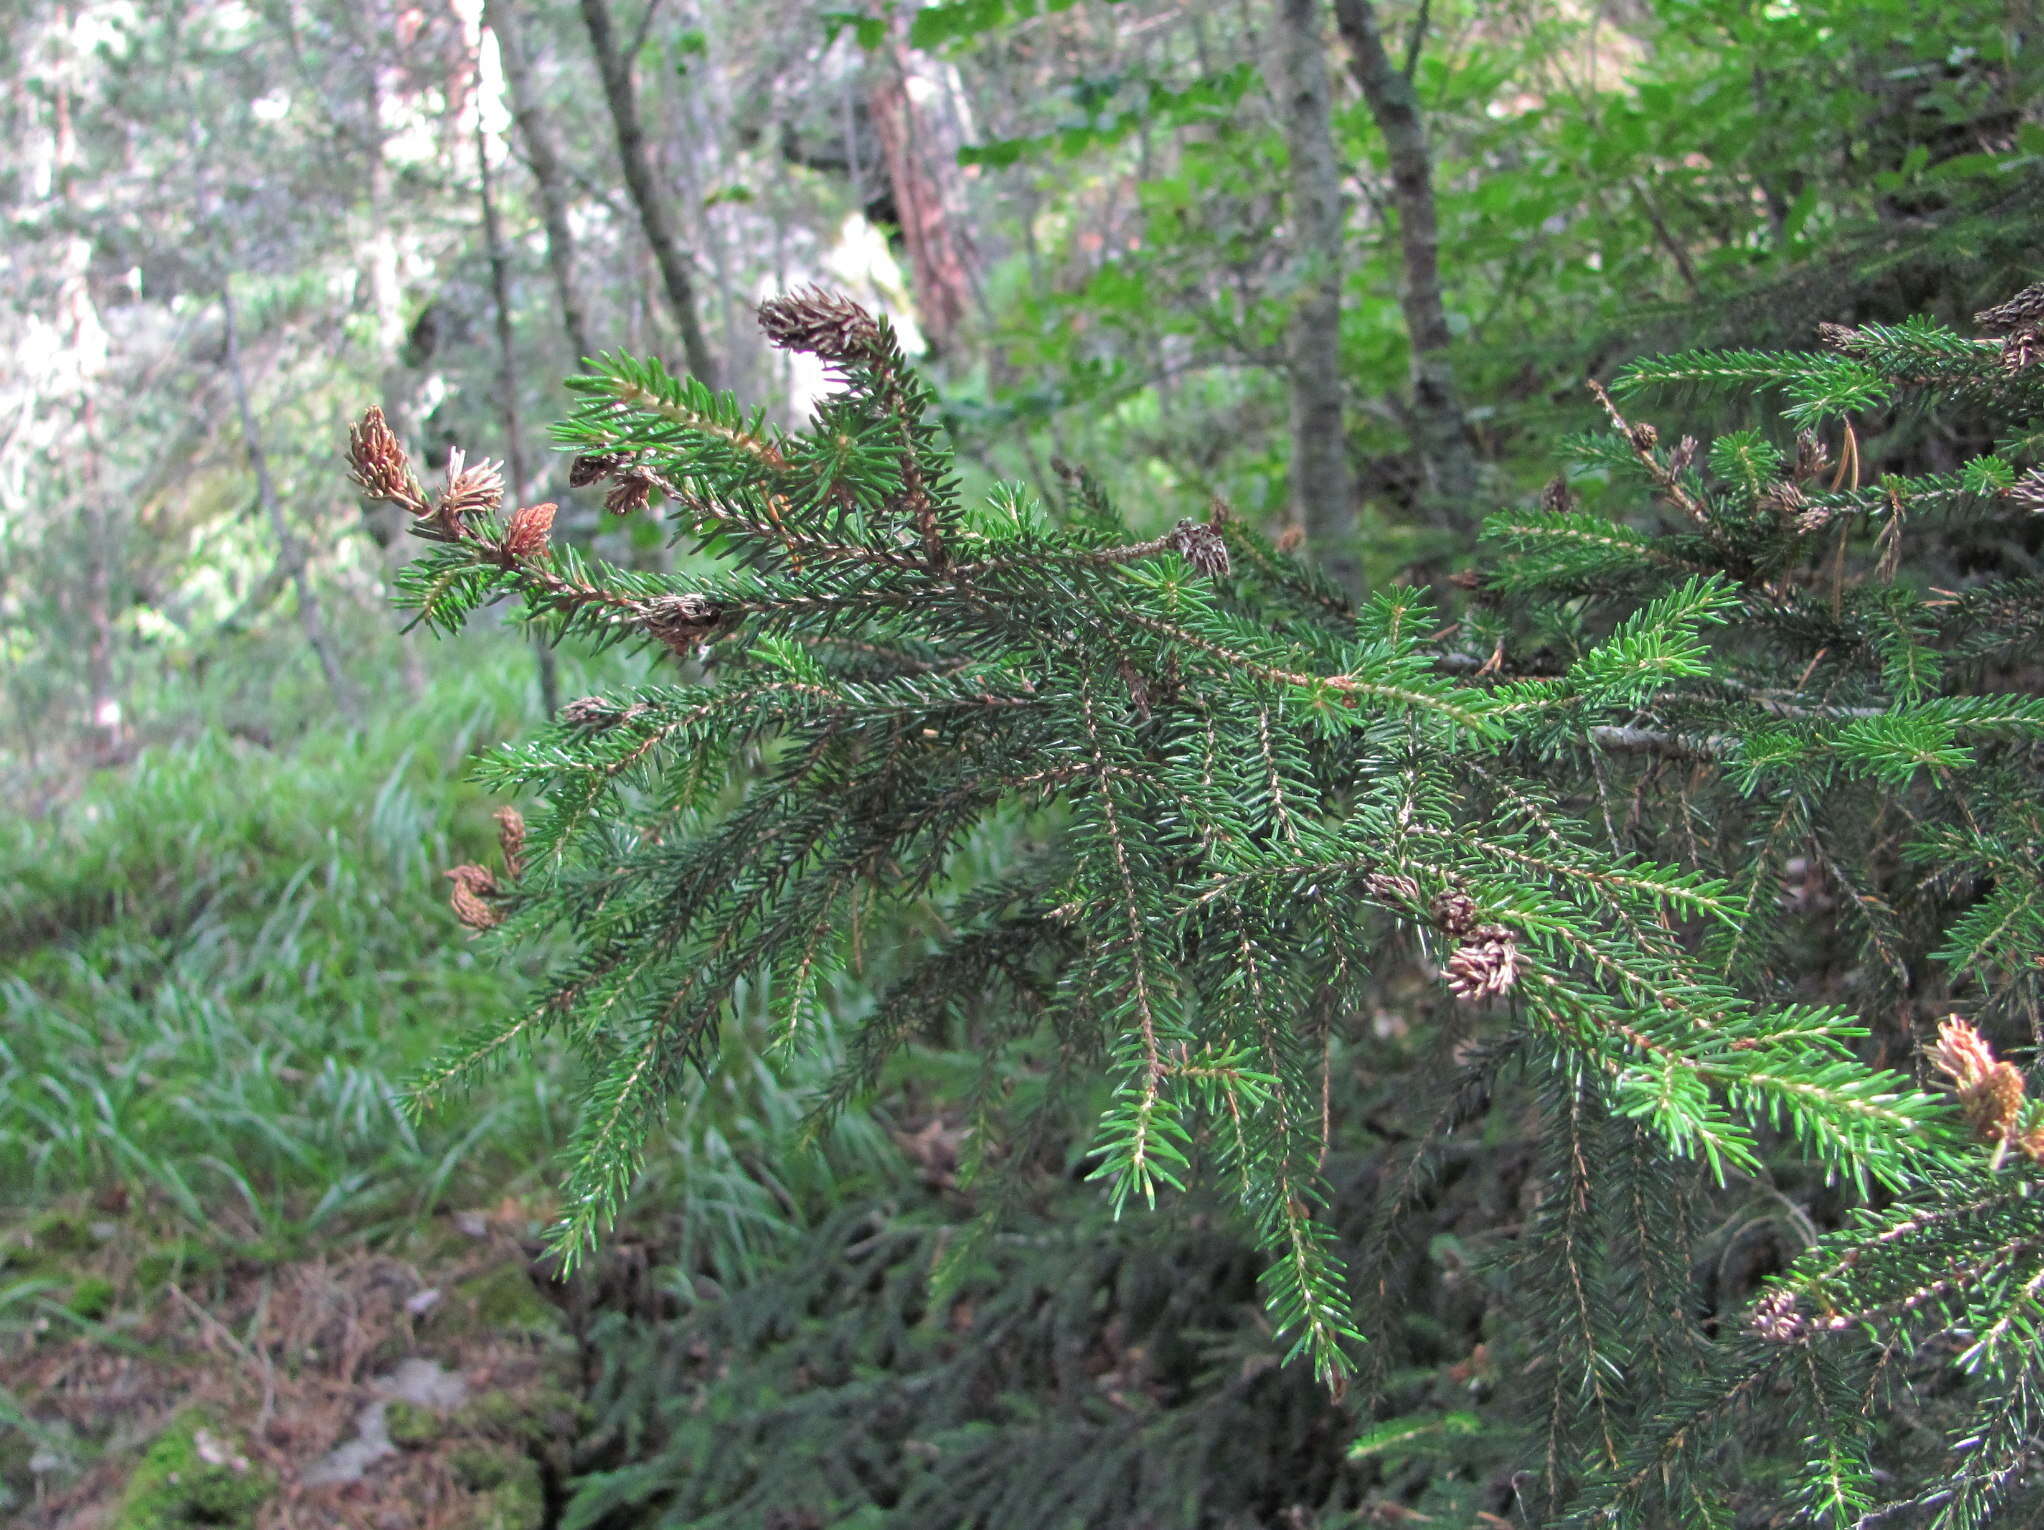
(218, 963)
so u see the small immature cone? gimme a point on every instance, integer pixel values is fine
(1784, 498)
(511, 840)
(593, 467)
(591, 712)
(1557, 496)
(1990, 1091)
(1484, 966)
(682, 621)
(2020, 323)
(822, 324)
(1839, 337)
(1392, 887)
(1455, 913)
(2024, 311)
(1812, 455)
(1776, 1320)
(471, 885)
(377, 462)
(525, 535)
(632, 491)
(1202, 547)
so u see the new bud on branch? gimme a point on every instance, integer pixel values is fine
(525, 534)
(377, 462)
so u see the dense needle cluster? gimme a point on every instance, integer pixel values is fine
(1606, 807)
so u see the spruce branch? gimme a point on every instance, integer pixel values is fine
(1661, 808)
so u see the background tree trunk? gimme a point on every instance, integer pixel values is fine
(918, 119)
(619, 92)
(536, 134)
(103, 705)
(1440, 429)
(1323, 497)
(507, 392)
(386, 523)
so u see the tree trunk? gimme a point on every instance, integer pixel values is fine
(1323, 497)
(104, 706)
(1440, 429)
(507, 393)
(88, 351)
(536, 135)
(619, 92)
(918, 121)
(289, 550)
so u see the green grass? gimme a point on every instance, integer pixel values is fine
(219, 964)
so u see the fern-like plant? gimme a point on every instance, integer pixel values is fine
(1607, 810)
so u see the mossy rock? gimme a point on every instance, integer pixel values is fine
(194, 1474)
(507, 1485)
(411, 1426)
(503, 1301)
(536, 1418)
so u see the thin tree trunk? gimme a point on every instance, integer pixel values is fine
(88, 353)
(103, 704)
(289, 550)
(548, 178)
(507, 393)
(387, 523)
(1440, 428)
(1323, 497)
(619, 92)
